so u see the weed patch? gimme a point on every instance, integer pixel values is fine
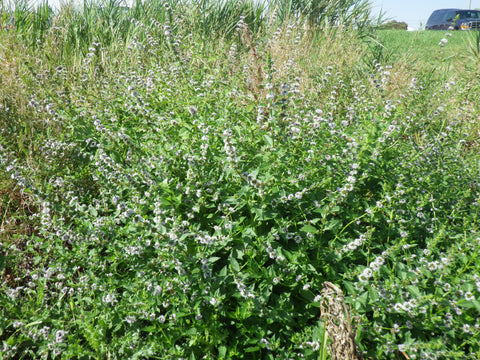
(280, 191)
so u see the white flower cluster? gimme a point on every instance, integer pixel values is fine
(374, 266)
(354, 244)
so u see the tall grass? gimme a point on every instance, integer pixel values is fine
(108, 20)
(354, 13)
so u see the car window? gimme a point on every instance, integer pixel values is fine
(436, 16)
(449, 16)
(468, 14)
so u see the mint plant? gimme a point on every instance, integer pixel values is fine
(190, 200)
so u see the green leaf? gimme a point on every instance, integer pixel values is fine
(249, 233)
(311, 268)
(222, 351)
(213, 259)
(264, 214)
(401, 273)
(223, 272)
(234, 264)
(149, 329)
(252, 349)
(349, 287)
(254, 173)
(93, 211)
(361, 303)
(333, 224)
(268, 140)
(237, 253)
(470, 304)
(192, 331)
(307, 295)
(309, 229)
(414, 291)
(34, 323)
(372, 293)
(325, 210)
(115, 155)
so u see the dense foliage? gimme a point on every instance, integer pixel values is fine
(173, 189)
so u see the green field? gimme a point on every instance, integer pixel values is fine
(237, 180)
(422, 48)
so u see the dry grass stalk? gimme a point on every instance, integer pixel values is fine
(338, 324)
(256, 74)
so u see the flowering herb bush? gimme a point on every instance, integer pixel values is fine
(190, 202)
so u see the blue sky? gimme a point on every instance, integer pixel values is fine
(416, 12)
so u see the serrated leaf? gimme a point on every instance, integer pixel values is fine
(349, 287)
(268, 140)
(263, 214)
(361, 303)
(249, 233)
(333, 224)
(414, 291)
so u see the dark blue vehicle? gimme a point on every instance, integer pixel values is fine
(454, 19)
